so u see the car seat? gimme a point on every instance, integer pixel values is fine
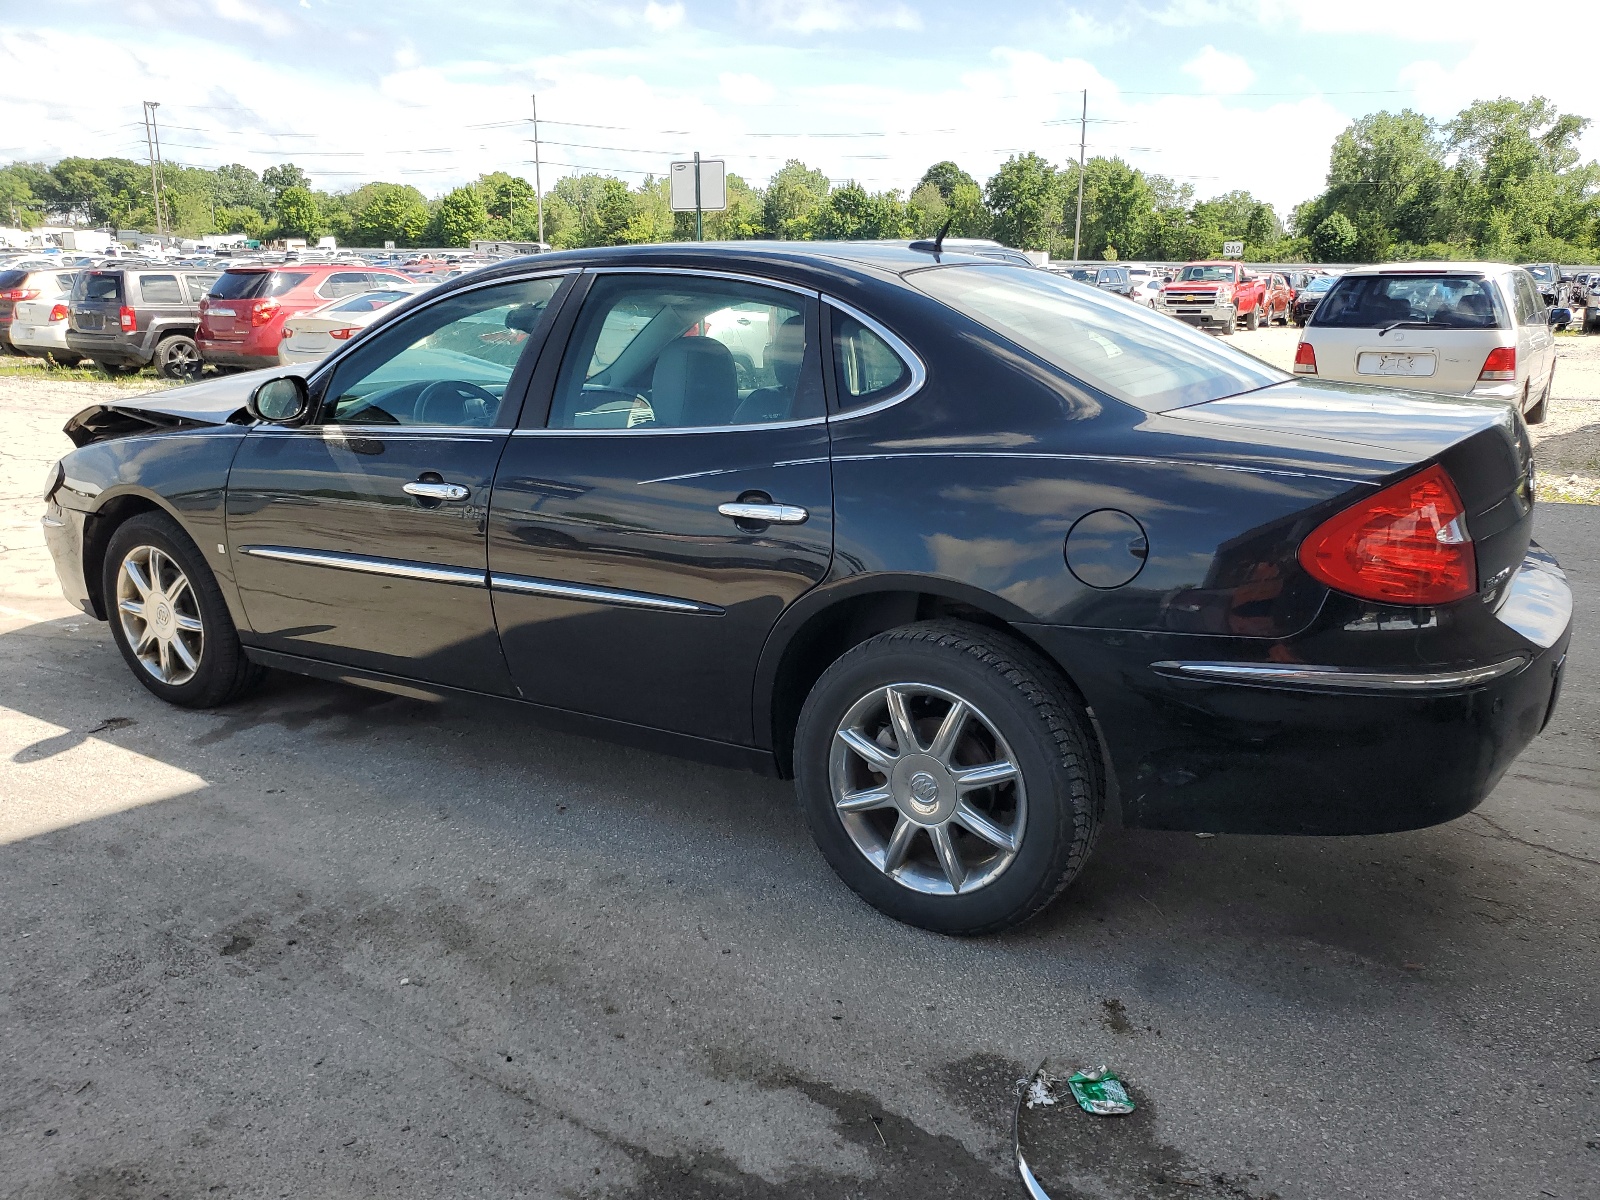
(784, 354)
(694, 383)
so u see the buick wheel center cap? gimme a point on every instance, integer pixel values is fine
(924, 790)
(162, 618)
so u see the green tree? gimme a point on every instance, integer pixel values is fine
(1025, 196)
(793, 195)
(1118, 209)
(20, 206)
(298, 214)
(927, 210)
(947, 177)
(100, 191)
(284, 176)
(969, 216)
(390, 212)
(237, 186)
(854, 214)
(1334, 238)
(605, 220)
(460, 217)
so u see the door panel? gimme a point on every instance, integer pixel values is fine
(619, 587)
(360, 538)
(636, 514)
(297, 497)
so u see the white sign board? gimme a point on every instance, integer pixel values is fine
(713, 186)
(388, 245)
(1232, 249)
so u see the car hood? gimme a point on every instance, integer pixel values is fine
(196, 405)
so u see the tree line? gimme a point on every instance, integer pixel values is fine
(1500, 180)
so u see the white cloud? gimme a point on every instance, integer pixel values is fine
(662, 17)
(259, 16)
(1219, 73)
(745, 88)
(833, 16)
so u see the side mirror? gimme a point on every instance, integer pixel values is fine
(1559, 316)
(280, 401)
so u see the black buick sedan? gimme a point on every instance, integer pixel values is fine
(980, 556)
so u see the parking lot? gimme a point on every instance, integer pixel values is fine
(334, 943)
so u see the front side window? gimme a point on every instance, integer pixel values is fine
(1123, 350)
(1375, 301)
(344, 283)
(447, 364)
(678, 352)
(1530, 304)
(199, 285)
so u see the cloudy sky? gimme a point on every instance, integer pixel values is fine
(1222, 93)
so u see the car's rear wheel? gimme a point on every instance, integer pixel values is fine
(168, 617)
(177, 357)
(1540, 412)
(949, 776)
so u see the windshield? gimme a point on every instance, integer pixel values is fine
(1081, 275)
(1543, 272)
(1123, 350)
(1204, 274)
(1320, 284)
(1443, 301)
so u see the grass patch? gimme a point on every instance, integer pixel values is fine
(49, 370)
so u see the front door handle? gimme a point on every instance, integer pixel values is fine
(425, 490)
(766, 514)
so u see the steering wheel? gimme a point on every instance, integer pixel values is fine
(453, 401)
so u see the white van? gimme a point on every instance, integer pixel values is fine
(1469, 329)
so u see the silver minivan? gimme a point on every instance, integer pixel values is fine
(1469, 329)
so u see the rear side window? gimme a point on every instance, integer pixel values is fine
(1530, 305)
(160, 289)
(1444, 301)
(100, 289)
(344, 283)
(867, 369)
(286, 281)
(240, 285)
(199, 285)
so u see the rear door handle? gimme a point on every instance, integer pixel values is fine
(766, 514)
(436, 491)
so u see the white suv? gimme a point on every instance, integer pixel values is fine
(1469, 329)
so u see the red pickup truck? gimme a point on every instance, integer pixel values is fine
(1216, 295)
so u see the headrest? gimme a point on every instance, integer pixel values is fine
(695, 383)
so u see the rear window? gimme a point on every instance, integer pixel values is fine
(11, 279)
(160, 289)
(1123, 350)
(368, 302)
(255, 285)
(1441, 301)
(98, 288)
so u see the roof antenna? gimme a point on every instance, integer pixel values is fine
(938, 242)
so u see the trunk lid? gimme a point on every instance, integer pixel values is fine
(1482, 443)
(1432, 359)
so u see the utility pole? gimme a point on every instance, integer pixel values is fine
(699, 229)
(538, 187)
(1083, 136)
(152, 144)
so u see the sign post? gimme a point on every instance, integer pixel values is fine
(699, 186)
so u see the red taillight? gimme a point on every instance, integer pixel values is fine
(262, 312)
(126, 319)
(1501, 364)
(344, 335)
(58, 313)
(1305, 359)
(1406, 545)
(20, 294)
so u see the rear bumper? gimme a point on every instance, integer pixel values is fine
(1279, 748)
(39, 339)
(110, 347)
(233, 354)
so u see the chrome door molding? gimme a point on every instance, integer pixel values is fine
(533, 586)
(365, 565)
(1336, 679)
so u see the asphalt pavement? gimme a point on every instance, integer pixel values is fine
(331, 943)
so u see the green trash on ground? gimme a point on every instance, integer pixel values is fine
(1100, 1092)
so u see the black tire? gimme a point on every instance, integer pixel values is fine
(177, 357)
(222, 672)
(66, 360)
(1540, 412)
(1048, 736)
(1252, 319)
(1227, 329)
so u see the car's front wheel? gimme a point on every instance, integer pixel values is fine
(168, 617)
(949, 776)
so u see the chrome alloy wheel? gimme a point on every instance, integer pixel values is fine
(927, 789)
(160, 615)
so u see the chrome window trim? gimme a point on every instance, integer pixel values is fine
(317, 378)
(670, 429)
(736, 276)
(533, 586)
(365, 565)
(448, 433)
(919, 372)
(1306, 677)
